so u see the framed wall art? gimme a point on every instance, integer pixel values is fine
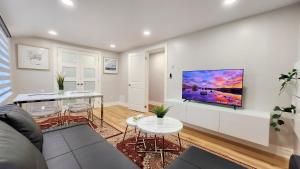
(30, 57)
(110, 65)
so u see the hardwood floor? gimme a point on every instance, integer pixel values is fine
(116, 116)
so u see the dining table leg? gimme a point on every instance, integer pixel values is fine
(101, 111)
(163, 151)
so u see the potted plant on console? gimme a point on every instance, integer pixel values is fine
(160, 112)
(60, 82)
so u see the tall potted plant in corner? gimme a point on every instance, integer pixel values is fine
(160, 112)
(276, 116)
(60, 78)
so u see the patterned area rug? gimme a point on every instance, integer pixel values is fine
(153, 160)
(131, 151)
(143, 160)
(107, 131)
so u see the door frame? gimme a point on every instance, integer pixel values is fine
(146, 52)
(154, 49)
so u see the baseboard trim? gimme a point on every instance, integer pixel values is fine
(108, 104)
(280, 151)
(155, 103)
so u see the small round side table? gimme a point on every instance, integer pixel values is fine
(151, 125)
(133, 123)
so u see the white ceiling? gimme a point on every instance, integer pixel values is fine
(98, 23)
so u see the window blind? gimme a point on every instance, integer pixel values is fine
(5, 76)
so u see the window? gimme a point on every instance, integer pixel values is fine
(5, 78)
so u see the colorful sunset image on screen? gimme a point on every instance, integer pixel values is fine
(214, 86)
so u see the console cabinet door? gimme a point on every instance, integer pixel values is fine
(202, 117)
(251, 128)
(177, 110)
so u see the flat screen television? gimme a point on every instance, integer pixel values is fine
(214, 86)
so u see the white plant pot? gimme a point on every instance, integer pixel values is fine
(160, 121)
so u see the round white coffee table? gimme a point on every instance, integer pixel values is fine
(168, 126)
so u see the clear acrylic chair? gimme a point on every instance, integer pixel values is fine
(79, 107)
(45, 110)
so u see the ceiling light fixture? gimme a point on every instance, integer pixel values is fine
(112, 45)
(51, 32)
(229, 2)
(147, 33)
(69, 3)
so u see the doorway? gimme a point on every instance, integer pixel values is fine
(156, 78)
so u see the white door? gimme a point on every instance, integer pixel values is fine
(137, 93)
(80, 70)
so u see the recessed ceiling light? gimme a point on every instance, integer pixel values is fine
(112, 45)
(147, 33)
(229, 2)
(51, 32)
(69, 3)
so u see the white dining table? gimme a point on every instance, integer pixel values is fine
(58, 96)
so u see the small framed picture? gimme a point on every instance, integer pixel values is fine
(30, 57)
(110, 65)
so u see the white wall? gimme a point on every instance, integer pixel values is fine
(156, 77)
(25, 80)
(264, 45)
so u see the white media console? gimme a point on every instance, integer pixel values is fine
(249, 125)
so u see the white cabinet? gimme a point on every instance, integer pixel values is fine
(202, 116)
(249, 125)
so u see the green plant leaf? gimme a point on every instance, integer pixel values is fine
(280, 122)
(273, 124)
(160, 111)
(276, 116)
(277, 108)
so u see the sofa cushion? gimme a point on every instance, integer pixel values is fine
(17, 152)
(80, 136)
(54, 145)
(22, 122)
(294, 162)
(102, 154)
(65, 161)
(180, 164)
(203, 160)
(79, 145)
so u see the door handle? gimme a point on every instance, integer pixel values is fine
(129, 85)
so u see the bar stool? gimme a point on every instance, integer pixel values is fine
(131, 122)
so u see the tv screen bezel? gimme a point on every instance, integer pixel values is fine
(215, 103)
